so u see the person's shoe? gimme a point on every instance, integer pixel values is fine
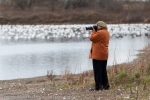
(95, 89)
(106, 87)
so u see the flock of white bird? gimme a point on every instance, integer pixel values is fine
(69, 31)
(133, 30)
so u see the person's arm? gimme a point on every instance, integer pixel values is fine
(95, 36)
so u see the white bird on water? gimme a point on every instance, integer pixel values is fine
(68, 31)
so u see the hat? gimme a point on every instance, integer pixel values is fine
(102, 24)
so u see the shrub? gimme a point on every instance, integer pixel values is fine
(137, 75)
(121, 77)
(148, 70)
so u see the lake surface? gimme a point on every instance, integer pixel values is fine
(24, 58)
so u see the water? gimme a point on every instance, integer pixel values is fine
(24, 58)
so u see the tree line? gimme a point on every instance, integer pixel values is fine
(110, 5)
(75, 11)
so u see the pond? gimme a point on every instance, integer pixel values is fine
(31, 57)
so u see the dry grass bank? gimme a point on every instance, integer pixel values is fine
(71, 17)
(41, 13)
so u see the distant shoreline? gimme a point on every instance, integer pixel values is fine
(73, 12)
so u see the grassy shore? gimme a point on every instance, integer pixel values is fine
(128, 81)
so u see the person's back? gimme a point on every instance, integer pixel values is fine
(100, 42)
(99, 54)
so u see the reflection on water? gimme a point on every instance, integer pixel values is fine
(23, 58)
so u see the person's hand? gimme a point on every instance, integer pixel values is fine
(94, 29)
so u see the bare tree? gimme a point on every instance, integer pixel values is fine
(52, 5)
(79, 3)
(64, 5)
(109, 5)
(30, 3)
(23, 4)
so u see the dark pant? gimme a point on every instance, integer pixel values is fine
(100, 73)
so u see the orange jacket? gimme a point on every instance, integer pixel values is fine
(100, 42)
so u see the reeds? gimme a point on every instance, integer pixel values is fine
(133, 76)
(131, 80)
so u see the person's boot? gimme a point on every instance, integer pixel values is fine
(106, 87)
(96, 89)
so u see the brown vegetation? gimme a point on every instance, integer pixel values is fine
(73, 11)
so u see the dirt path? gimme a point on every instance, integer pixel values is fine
(42, 89)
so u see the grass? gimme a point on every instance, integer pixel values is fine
(130, 80)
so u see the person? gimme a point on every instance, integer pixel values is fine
(99, 55)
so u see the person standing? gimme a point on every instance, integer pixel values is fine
(99, 55)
